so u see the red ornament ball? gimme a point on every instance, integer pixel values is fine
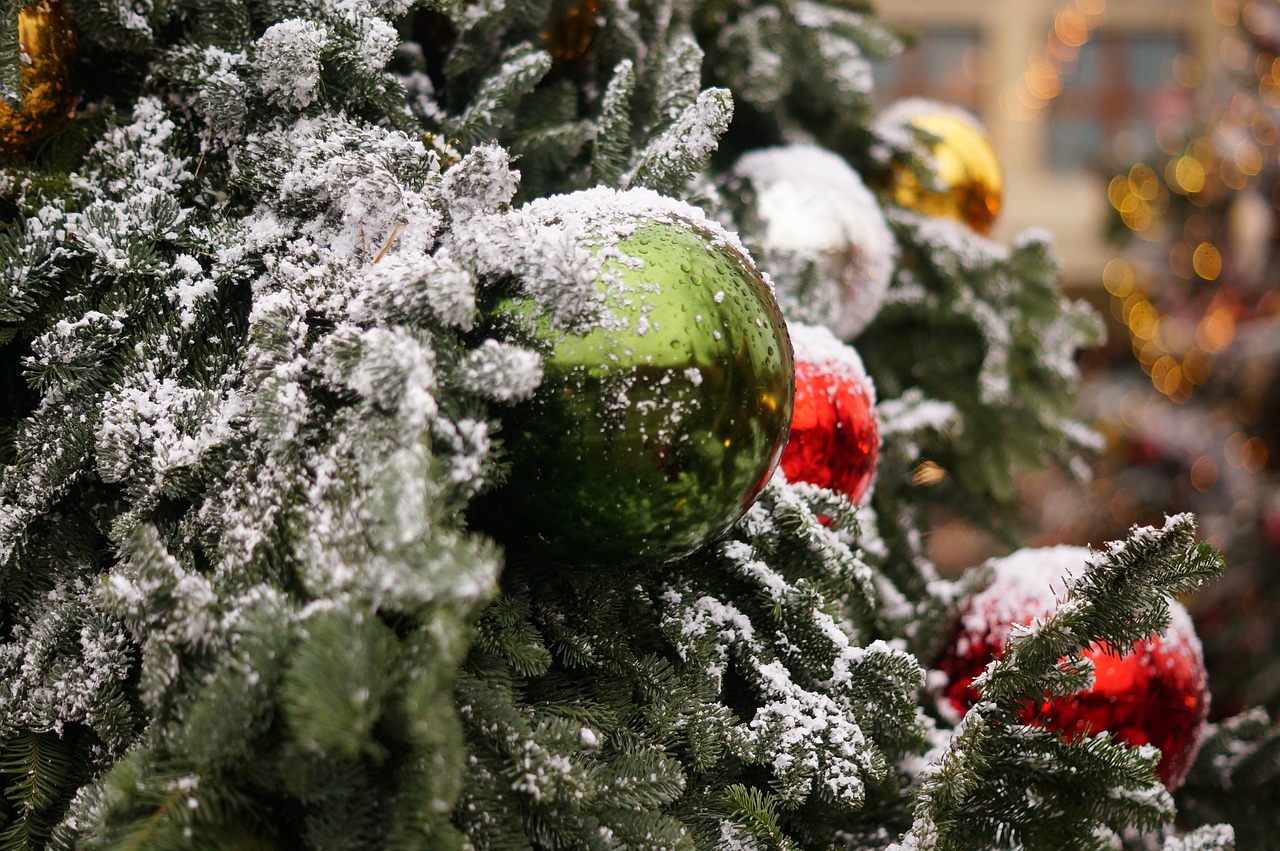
(835, 436)
(1155, 694)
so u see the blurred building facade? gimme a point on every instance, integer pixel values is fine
(1068, 89)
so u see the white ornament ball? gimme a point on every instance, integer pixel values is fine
(822, 235)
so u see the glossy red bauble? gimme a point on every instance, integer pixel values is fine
(835, 436)
(1154, 694)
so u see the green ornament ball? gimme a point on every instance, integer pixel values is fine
(654, 431)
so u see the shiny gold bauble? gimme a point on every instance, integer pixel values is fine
(968, 175)
(46, 55)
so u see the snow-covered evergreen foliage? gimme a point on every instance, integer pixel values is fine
(250, 395)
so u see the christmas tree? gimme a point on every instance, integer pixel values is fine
(394, 397)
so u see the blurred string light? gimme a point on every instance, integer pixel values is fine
(1187, 296)
(1074, 23)
(1175, 351)
(1203, 176)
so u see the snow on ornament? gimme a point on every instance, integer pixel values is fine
(826, 244)
(656, 429)
(1156, 693)
(835, 436)
(967, 184)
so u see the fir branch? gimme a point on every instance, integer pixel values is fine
(29, 264)
(639, 780)
(667, 163)
(225, 24)
(678, 81)
(121, 26)
(232, 713)
(37, 769)
(1214, 837)
(947, 782)
(984, 330)
(10, 63)
(506, 632)
(147, 802)
(546, 153)
(338, 682)
(494, 104)
(611, 146)
(756, 812)
(1236, 778)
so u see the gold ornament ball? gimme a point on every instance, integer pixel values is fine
(970, 184)
(46, 54)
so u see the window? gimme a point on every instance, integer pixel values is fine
(946, 63)
(1119, 89)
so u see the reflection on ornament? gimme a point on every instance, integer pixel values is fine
(653, 432)
(572, 33)
(1156, 693)
(826, 243)
(967, 180)
(47, 52)
(835, 436)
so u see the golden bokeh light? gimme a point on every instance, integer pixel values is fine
(1216, 331)
(1253, 455)
(1071, 27)
(1177, 346)
(1117, 277)
(1232, 176)
(1148, 352)
(1166, 374)
(1197, 366)
(1265, 130)
(1233, 451)
(1207, 261)
(1143, 182)
(1226, 12)
(1269, 91)
(1042, 80)
(1248, 159)
(1142, 320)
(1249, 406)
(1234, 53)
(1204, 473)
(1188, 174)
